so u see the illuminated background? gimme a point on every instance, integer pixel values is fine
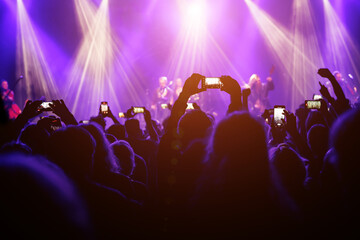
(87, 51)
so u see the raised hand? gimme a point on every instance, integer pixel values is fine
(246, 93)
(290, 125)
(191, 85)
(147, 115)
(31, 109)
(231, 86)
(325, 72)
(60, 109)
(129, 113)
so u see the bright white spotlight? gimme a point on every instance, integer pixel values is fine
(196, 13)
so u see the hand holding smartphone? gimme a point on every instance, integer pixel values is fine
(104, 108)
(313, 104)
(45, 106)
(279, 116)
(138, 110)
(211, 83)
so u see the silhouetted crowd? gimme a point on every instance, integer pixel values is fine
(187, 177)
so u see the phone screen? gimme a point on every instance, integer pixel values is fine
(45, 106)
(164, 105)
(313, 104)
(317, 97)
(121, 115)
(104, 107)
(279, 115)
(212, 82)
(138, 109)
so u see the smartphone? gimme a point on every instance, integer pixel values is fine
(104, 107)
(317, 97)
(190, 106)
(121, 115)
(279, 115)
(138, 109)
(164, 105)
(313, 104)
(85, 121)
(45, 106)
(55, 124)
(211, 82)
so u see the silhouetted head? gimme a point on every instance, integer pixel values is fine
(193, 125)
(238, 149)
(344, 138)
(72, 148)
(318, 140)
(111, 138)
(39, 200)
(15, 147)
(99, 120)
(103, 158)
(35, 137)
(126, 156)
(132, 127)
(118, 130)
(314, 117)
(287, 167)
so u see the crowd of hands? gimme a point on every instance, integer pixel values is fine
(163, 141)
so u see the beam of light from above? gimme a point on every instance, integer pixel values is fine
(98, 62)
(281, 42)
(195, 49)
(342, 53)
(38, 80)
(305, 39)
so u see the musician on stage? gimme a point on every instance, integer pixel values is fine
(8, 97)
(163, 95)
(258, 100)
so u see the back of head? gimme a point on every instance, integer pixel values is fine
(35, 137)
(240, 135)
(238, 152)
(194, 125)
(345, 134)
(126, 156)
(99, 120)
(288, 167)
(118, 130)
(132, 127)
(72, 149)
(318, 138)
(234, 189)
(314, 117)
(38, 200)
(103, 157)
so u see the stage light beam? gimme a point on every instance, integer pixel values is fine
(31, 62)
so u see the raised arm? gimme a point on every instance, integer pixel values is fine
(232, 87)
(150, 127)
(60, 109)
